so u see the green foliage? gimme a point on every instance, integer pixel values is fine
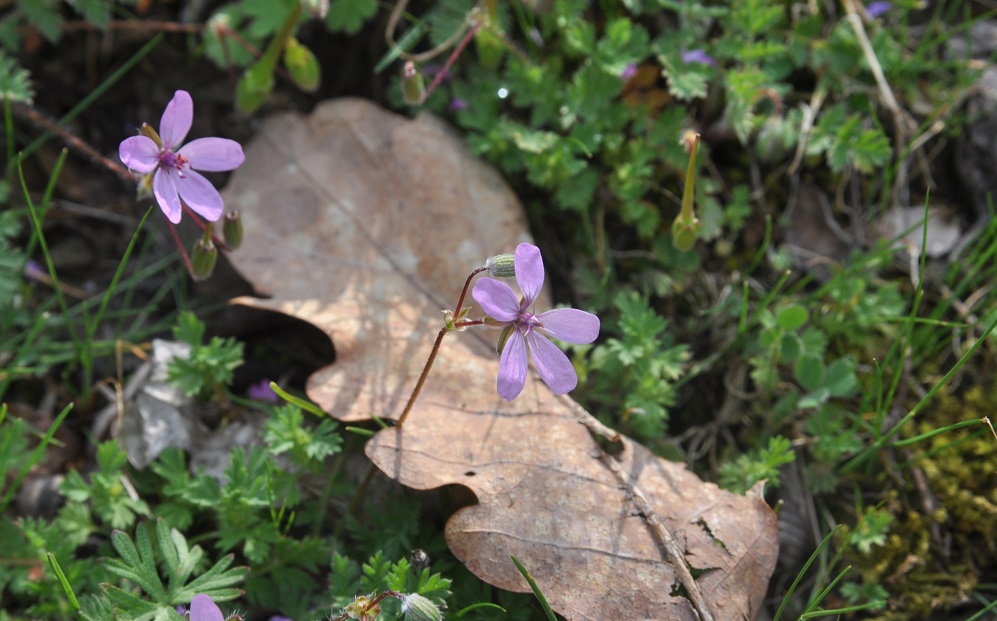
(641, 366)
(286, 433)
(11, 259)
(143, 596)
(15, 85)
(110, 500)
(349, 15)
(209, 367)
(762, 464)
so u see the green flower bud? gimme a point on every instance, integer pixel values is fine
(415, 607)
(501, 265)
(413, 87)
(232, 229)
(302, 65)
(203, 259)
(150, 132)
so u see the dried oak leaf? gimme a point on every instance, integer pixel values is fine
(366, 224)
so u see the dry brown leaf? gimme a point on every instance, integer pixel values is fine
(366, 225)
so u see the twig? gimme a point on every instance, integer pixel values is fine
(34, 116)
(667, 542)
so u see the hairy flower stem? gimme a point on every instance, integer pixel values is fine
(437, 343)
(183, 251)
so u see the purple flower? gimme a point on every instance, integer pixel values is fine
(698, 56)
(628, 72)
(524, 331)
(875, 9)
(203, 609)
(173, 166)
(457, 104)
(261, 391)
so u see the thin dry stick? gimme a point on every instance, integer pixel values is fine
(667, 542)
(902, 125)
(37, 118)
(389, 36)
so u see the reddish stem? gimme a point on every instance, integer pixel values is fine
(197, 219)
(450, 61)
(436, 346)
(183, 252)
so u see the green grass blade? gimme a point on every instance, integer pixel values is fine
(536, 589)
(54, 564)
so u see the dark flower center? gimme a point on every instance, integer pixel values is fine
(169, 159)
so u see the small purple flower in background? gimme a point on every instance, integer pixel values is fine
(457, 104)
(526, 332)
(628, 72)
(202, 608)
(173, 166)
(876, 9)
(261, 391)
(698, 56)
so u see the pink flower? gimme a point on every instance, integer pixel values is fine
(173, 166)
(524, 331)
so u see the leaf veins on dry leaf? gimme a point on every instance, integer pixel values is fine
(366, 224)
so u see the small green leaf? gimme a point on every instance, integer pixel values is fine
(792, 317)
(840, 378)
(349, 15)
(809, 370)
(790, 346)
(253, 88)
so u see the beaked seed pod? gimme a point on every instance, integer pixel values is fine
(203, 259)
(413, 87)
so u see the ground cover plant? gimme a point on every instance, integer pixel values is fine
(755, 238)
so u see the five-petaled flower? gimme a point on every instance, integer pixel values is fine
(525, 331)
(173, 166)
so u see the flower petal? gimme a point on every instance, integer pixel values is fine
(139, 153)
(200, 195)
(570, 325)
(554, 367)
(175, 124)
(202, 608)
(529, 272)
(213, 154)
(164, 186)
(496, 299)
(512, 367)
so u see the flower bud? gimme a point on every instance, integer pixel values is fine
(362, 607)
(302, 66)
(203, 259)
(144, 189)
(415, 607)
(413, 87)
(232, 229)
(150, 132)
(501, 265)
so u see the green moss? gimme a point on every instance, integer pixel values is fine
(944, 536)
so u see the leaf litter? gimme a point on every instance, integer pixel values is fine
(366, 224)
